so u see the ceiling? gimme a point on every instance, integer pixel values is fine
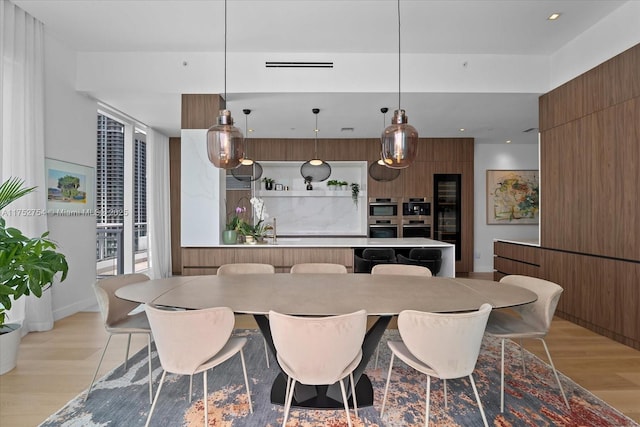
(499, 27)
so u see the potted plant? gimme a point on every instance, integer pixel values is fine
(355, 191)
(268, 183)
(343, 185)
(333, 184)
(27, 266)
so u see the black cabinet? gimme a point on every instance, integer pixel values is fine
(446, 210)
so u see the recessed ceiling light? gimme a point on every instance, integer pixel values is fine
(508, 141)
(554, 16)
(461, 129)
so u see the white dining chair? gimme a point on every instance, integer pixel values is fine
(194, 341)
(118, 318)
(397, 269)
(318, 267)
(318, 351)
(248, 268)
(440, 345)
(531, 320)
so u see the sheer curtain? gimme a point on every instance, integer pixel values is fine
(22, 143)
(159, 207)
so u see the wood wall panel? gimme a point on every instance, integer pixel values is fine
(200, 111)
(269, 149)
(174, 204)
(517, 252)
(417, 180)
(627, 205)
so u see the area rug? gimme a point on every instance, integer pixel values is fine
(121, 397)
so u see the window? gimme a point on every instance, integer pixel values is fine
(121, 197)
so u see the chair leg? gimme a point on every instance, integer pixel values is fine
(104, 350)
(427, 401)
(287, 405)
(150, 370)
(155, 400)
(266, 351)
(502, 378)
(555, 373)
(346, 402)
(446, 405)
(126, 356)
(524, 366)
(475, 391)
(386, 387)
(246, 380)
(206, 399)
(190, 387)
(353, 394)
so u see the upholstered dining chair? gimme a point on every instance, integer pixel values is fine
(245, 268)
(248, 268)
(318, 267)
(398, 269)
(194, 341)
(458, 337)
(117, 318)
(531, 320)
(401, 269)
(318, 351)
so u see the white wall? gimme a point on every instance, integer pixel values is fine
(70, 135)
(498, 156)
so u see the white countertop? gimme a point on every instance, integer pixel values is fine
(347, 242)
(527, 242)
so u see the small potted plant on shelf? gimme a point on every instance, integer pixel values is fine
(268, 183)
(333, 184)
(27, 266)
(343, 185)
(355, 191)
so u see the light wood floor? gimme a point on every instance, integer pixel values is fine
(57, 365)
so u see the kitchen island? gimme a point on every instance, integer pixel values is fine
(287, 251)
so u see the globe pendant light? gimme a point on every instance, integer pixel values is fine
(315, 170)
(249, 170)
(225, 141)
(400, 139)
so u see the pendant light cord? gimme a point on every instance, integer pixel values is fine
(316, 143)
(225, 53)
(399, 72)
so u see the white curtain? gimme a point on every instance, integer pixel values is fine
(159, 208)
(22, 143)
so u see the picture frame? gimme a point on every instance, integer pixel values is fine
(70, 188)
(279, 187)
(513, 197)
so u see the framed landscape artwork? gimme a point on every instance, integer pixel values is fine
(513, 197)
(70, 188)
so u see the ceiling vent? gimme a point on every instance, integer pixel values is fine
(529, 130)
(298, 64)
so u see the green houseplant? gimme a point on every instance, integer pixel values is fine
(27, 265)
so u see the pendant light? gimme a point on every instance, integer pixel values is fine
(383, 110)
(249, 169)
(225, 141)
(315, 170)
(377, 170)
(400, 139)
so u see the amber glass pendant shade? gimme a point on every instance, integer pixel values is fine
(399, 142)
(225, 143)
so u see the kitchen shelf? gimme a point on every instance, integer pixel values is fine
(304, 193)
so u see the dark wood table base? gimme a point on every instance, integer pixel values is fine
(328, 396)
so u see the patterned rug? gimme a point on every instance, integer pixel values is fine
(121, 398)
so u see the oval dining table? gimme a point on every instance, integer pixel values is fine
(382, 296)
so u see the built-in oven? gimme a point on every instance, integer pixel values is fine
(383, 229)
(381, 207)
(416, 206)
(416, 228)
